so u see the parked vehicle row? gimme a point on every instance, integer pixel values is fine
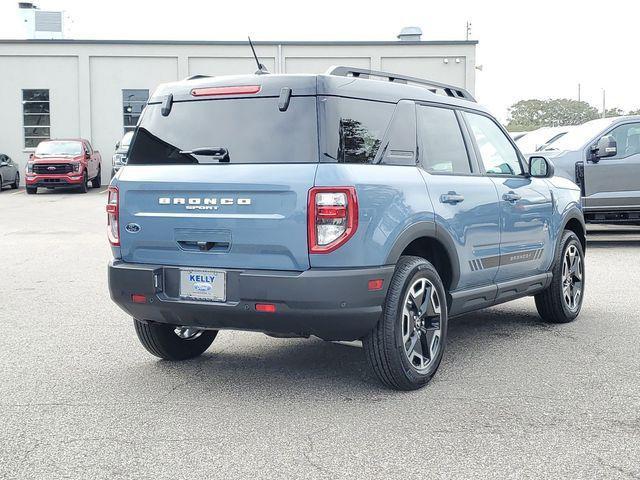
(335, 206)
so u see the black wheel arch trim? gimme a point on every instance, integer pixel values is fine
(574, 214)
(426, 229)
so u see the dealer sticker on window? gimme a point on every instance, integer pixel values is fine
(207, 285)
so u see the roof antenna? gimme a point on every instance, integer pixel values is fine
(261, 68)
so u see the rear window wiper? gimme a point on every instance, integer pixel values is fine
(219, 153)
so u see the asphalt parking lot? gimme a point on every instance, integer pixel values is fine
(80, 398)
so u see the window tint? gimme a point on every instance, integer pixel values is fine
(628, 139)
(442, 148)
(354, 128)
(251, 130)
(36, 117)
(133, 102)
(496, 151)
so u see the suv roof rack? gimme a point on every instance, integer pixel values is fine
(448, 90)
(194, 77)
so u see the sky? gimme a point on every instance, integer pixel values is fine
(527, 49)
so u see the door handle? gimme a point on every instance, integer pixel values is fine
(511, 197)
(452, 197)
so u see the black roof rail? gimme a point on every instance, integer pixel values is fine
(194, 77)
(448, 90)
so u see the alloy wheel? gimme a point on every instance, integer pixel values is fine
(421, 324)
(572, 277)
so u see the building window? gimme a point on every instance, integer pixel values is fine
(36, 117)
(133, 102)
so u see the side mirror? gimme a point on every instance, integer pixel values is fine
(87, 155)
(606, 147)
(540, 167)
(4, 164)
(31, 156)
(117, 145)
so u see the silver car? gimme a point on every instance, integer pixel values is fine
(119, 158)
(603, 157)
(9, 173)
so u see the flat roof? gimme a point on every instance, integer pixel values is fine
(238, 42)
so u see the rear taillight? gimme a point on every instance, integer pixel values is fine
(113, 213)
(332, 217)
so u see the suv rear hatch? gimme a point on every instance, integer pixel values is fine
(220, 178)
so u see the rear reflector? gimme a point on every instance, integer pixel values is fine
(375, 284)
(137, 298)
(265, 307)
(237, 90)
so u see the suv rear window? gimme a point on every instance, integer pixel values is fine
(252, 130)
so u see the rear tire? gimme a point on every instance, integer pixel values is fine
(31, 190)
(83, 186)
(16, 182)
(161, 340)
(97, 182)
(406, 347)
(558, 303)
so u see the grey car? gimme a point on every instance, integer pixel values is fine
(119, 158)
(9, 174)
(603, 157)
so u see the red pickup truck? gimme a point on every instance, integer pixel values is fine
(63, 163)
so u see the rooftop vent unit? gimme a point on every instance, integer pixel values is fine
(40, 24)
(410, 34)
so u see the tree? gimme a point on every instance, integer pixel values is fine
(634, 112)
(614, 112)
(530, 114)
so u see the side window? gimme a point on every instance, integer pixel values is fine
(354, 128)
(496, 151)
(628, 139)
(36, 117)
(442, 148)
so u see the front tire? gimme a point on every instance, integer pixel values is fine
(405, 348)
(561, 302)
(97, 181)
(163, 340)
(31, 190)
(83, 186)
(16, 182)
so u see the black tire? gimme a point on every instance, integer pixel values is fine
(384, 346)
(160, 340)
(31, 190)
(551, 303)
(16, 182)
(97, 181)
(83, 186)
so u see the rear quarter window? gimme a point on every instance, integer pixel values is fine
(353, 129)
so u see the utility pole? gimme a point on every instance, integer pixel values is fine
(604, 103)
(579, 93)
(468, 30)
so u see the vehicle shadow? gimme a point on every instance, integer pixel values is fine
(316, 369)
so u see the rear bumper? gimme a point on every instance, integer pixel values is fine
(54, 181)
(330, 304)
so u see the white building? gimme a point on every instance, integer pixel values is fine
(96, 89)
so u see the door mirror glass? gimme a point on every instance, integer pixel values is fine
(540, 167)
(87, 155)
(606, 147)
(4, 164)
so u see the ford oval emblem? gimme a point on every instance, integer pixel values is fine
(202, 287)
(132, 228)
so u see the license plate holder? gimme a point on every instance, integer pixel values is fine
(203, 285)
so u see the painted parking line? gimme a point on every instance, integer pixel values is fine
(16, 193)
(104, 191)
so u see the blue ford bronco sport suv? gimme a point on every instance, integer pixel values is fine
(352, 205)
